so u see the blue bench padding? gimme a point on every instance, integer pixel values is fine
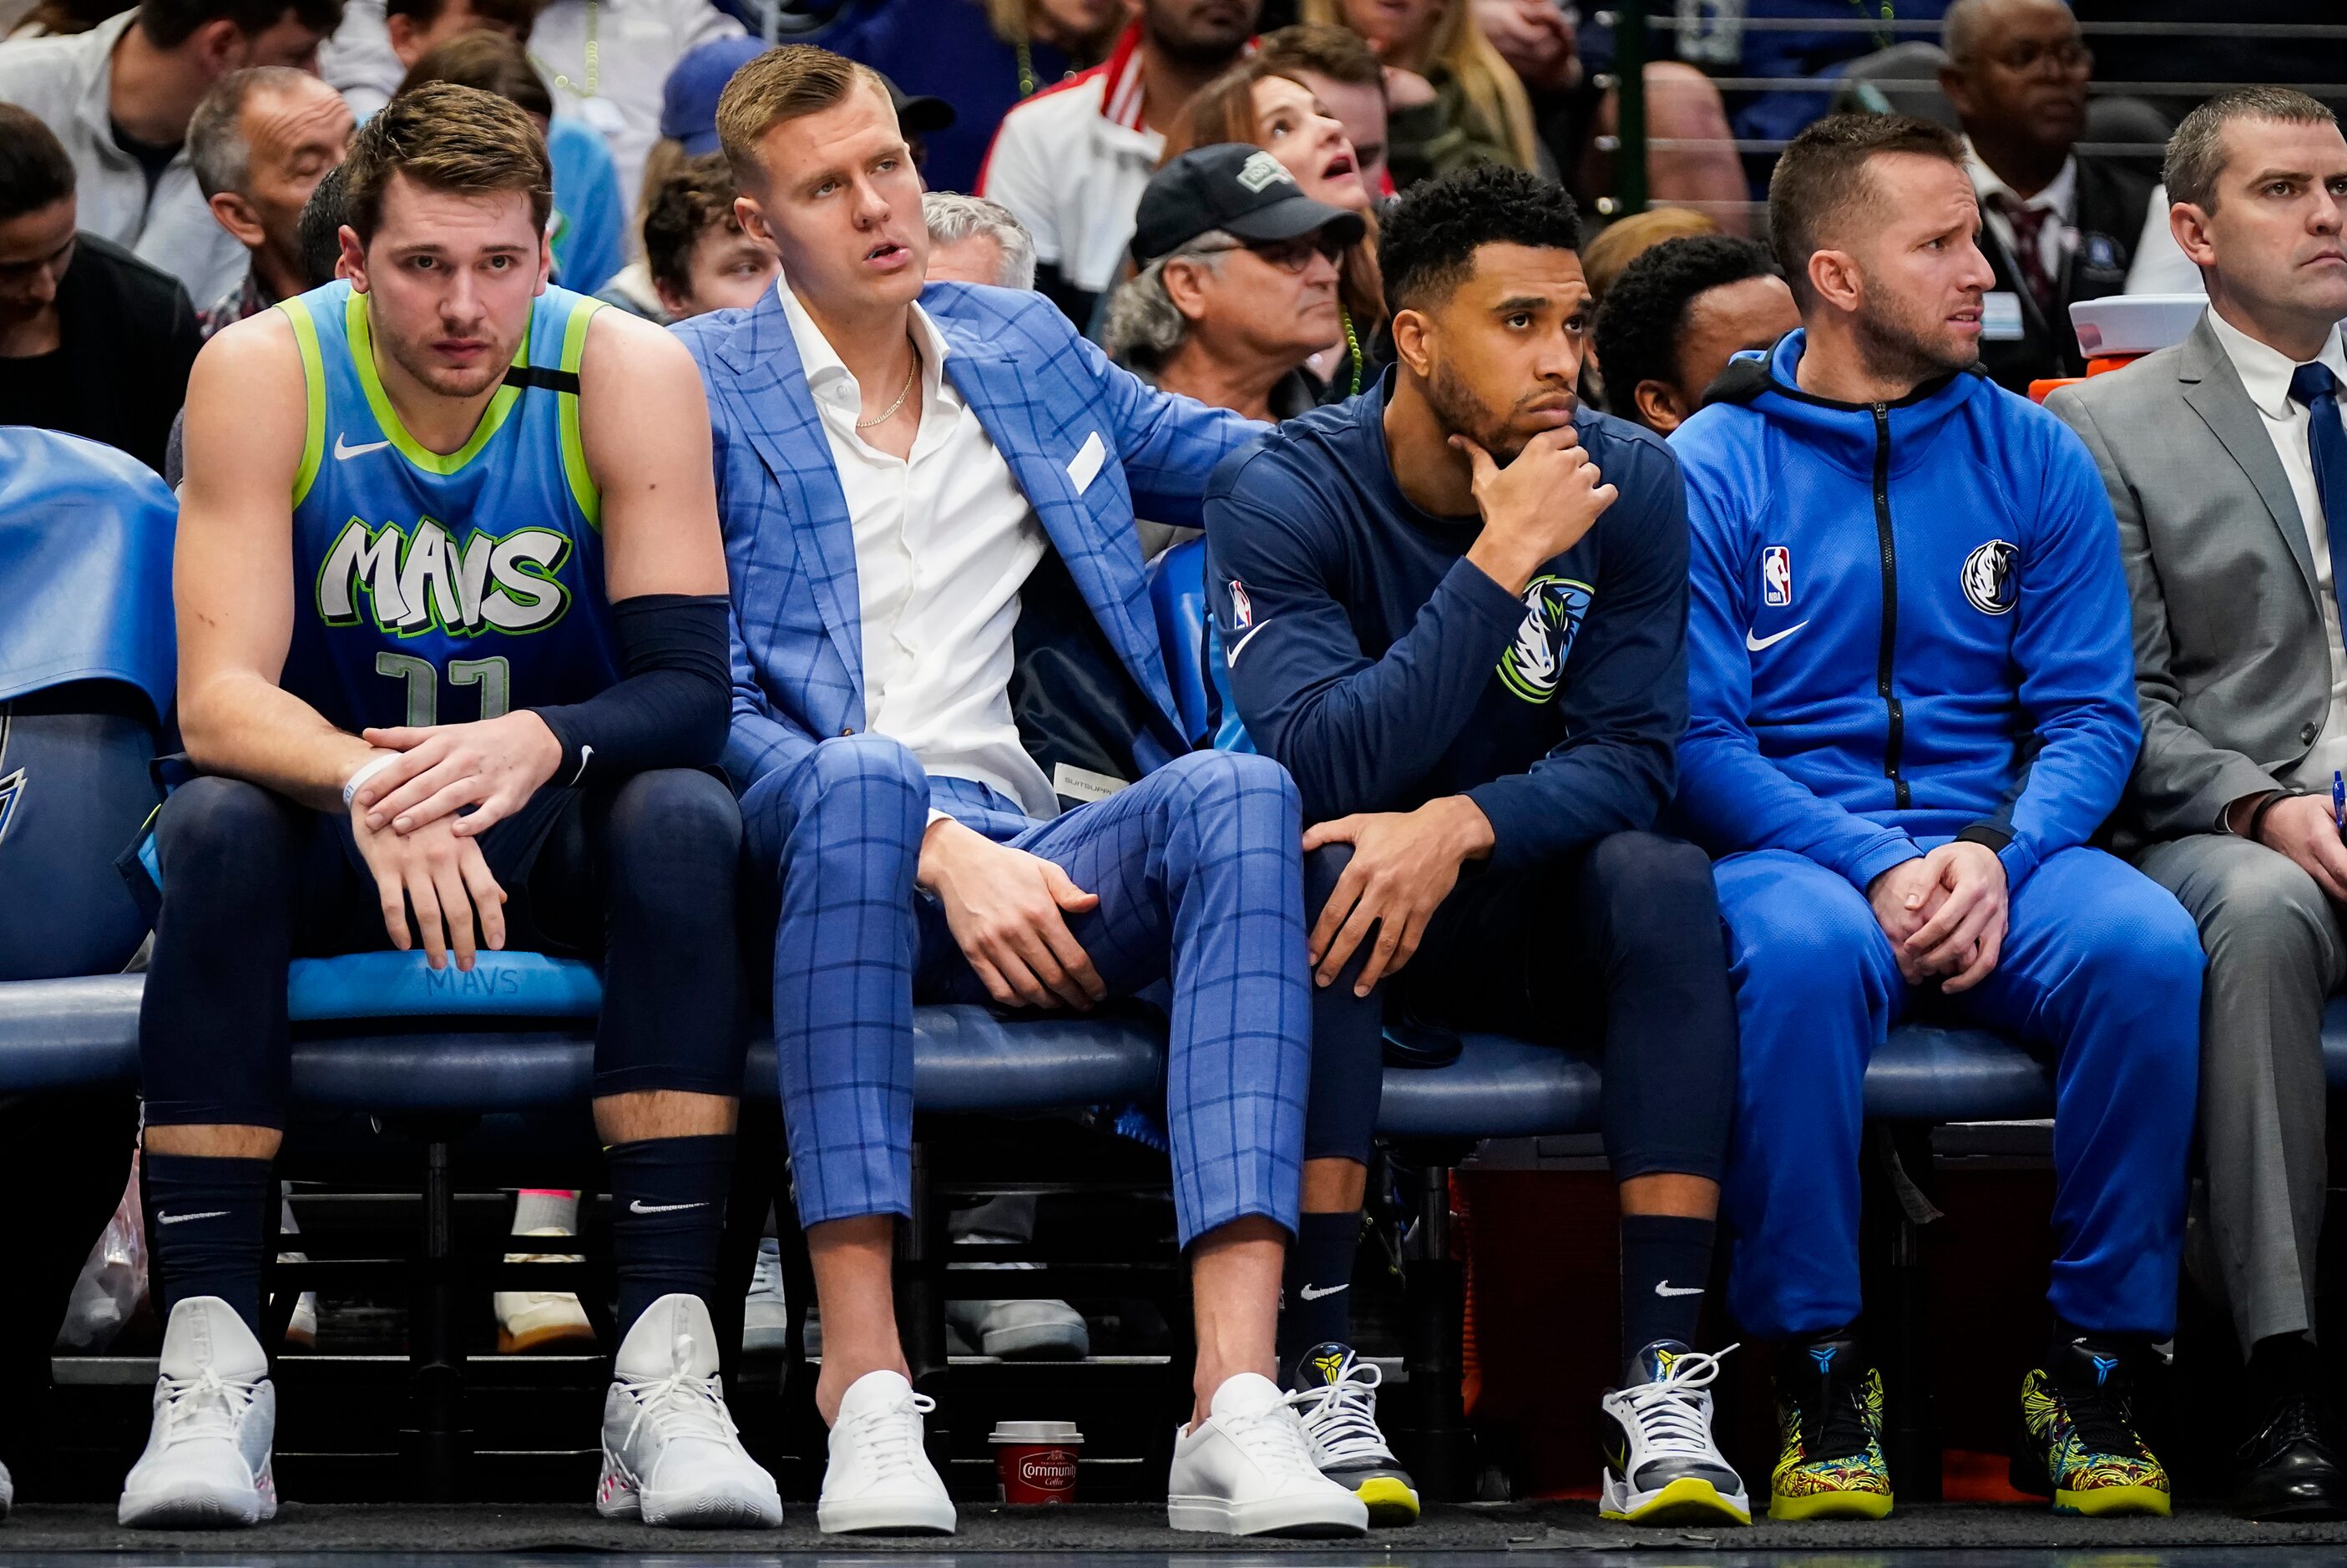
(66, 1034)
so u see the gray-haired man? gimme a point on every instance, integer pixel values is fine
(974, 241)
(259, 142)
(2226, 458)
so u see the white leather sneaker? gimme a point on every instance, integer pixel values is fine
(1247, 1470)
(671, 1455)
(879, 1477)
(541, 1319)
(1038, 1330)
(207, 1464)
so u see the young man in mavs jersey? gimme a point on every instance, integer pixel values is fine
(1467, 643)
(1913, 700)
(452, 660)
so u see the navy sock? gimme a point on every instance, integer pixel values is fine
(1315, 1293)
(668, 1209)
(1665, 1263)
(205, 1219)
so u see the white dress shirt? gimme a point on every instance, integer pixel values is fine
(2265, 373)
(2057, 238)
(67, 83)
(944, 541)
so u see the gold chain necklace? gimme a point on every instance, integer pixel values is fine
(908, 391)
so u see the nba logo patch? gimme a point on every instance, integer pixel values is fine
(1775, 577)
(1242, 613)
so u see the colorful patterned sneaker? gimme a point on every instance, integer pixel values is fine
(1662, 1465)
(2078, 1442)
(1830, 1419)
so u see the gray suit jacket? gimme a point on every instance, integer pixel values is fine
(2231, 670)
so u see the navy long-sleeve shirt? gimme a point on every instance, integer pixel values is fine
(1385, 670)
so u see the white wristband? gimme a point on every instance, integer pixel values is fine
(367, 770)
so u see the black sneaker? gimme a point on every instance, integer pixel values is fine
(1334, 1393)
(1830, 1460)
(2287, 1469)
(2078, 1444)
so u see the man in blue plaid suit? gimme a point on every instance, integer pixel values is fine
(943, 634)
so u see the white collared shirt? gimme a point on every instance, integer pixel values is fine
(67, 83)
(1071, 163)
(2054, 240)
(2265, 373)
(944, 541)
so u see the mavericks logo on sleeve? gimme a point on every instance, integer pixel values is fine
(1534, 662)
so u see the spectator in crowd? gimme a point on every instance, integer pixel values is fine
(1899, 754)
(2226, 460)
(586, 229)
(608, 60)
(1625, 240)
(1073, 162)
(1454, 102)
(2058, 225)
(1342, 73)
(700, 259)
(379, 40)
(974, 241)
(259, 143)
(322, 717)
(1263, 103)
(872, 767)
(983, 57)
(94, 342)
(119, 97)
(1478, 669)
(1237, 284)
(1678, 316)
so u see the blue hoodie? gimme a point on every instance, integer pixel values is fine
(1907, 620)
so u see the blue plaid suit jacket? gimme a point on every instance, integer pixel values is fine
(1042, 391)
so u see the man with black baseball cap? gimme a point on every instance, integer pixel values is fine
(1237, 288)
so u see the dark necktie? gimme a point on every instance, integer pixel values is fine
(2028, 247)
(2326, 443)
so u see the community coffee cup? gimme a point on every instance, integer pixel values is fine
(1036, 1460)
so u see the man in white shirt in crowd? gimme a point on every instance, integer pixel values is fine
(1072, 161)
(119, 97)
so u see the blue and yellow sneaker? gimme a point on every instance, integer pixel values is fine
(2078, 1443)
(1662, 1464)
(1335, 1394)
(1829, 1419)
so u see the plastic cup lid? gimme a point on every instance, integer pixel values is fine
(1036, 1432)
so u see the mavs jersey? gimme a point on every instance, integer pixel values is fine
(445, 589)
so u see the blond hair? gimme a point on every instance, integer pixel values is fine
(448, 138)
(782, 84)
(1461, 47)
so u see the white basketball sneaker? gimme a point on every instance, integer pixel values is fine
(671, 1454)
(879, 1477)
(1662, 1464)
(1247, 1470)
(207, 1463)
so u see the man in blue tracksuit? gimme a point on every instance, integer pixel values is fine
(1911, 702)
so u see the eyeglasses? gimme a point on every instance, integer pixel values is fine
(1287, 255)
(2068, 57)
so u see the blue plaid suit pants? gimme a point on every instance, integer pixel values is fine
(1200, 884)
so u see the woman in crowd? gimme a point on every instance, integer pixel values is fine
(981, 57)
(1455, 101)
(1266, 101)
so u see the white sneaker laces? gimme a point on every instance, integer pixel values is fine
(205, 1406)
(1671, 1421)
(889, 1441)
(1340, 1419)
(1272, 1438)
(680, 1404)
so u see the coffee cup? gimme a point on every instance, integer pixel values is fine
(1035, 1461)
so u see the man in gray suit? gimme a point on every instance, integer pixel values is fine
(2226, 458)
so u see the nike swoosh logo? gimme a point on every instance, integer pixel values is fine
(1757, 643)
(642, 1207)
(1664, 1288)
(586, 756)
(343, 453)
(1231, 656)
(183, 1219)
(1310, 1293)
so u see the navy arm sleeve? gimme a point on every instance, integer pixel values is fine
(668, 708)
